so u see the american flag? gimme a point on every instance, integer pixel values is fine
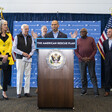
(104, 37)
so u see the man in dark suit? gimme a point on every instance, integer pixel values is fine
(107, 46)
(55, 33)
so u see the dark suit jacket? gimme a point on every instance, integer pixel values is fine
(39, 36)
(60, 35)
(108, 53)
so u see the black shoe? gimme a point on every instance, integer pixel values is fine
(27, 95)
(18, 95)
(5, 98)
(96, 94)
(83, 93)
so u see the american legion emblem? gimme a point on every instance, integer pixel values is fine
(56, 59)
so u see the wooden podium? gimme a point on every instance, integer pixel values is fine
(55, 86)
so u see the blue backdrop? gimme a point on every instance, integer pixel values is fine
(94, 30)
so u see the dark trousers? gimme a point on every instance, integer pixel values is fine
(6, 77)
(108, 78)
(91, 68)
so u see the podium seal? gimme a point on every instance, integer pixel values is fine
(56, 59)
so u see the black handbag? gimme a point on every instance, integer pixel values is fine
(4, 66)
(1, 63)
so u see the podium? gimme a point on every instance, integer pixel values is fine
(55, 86)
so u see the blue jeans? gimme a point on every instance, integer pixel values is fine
(91, 68)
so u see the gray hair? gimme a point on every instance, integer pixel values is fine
(1, 23)
(23, 25)
(43, 27)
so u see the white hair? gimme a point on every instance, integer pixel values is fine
(1, 23)
(23, 25)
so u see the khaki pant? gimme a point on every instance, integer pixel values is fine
(21, 68)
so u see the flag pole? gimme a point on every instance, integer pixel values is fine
(2, 17)
(1, 8)
(111, 11)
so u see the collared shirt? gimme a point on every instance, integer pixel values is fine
(25, 40)
(55, 34)
(42, 36)
(14, 48)
(110, 43)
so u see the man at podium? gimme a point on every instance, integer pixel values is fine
(55, 33)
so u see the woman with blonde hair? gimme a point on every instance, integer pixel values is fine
(5, 54)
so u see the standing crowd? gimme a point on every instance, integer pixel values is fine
(24, 48)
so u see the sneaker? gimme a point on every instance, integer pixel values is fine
(83, 93)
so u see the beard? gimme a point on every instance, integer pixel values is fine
(55, 29)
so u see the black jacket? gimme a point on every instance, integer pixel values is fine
(21, 45)
(60, 35)
(108, 53)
